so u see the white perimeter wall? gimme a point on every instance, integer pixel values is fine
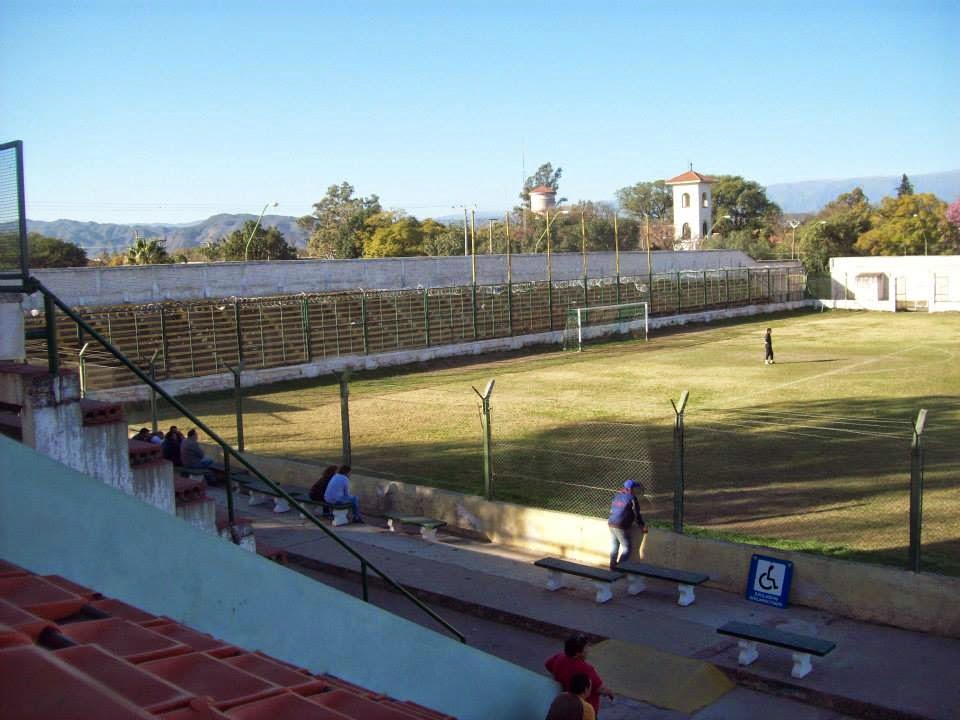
(930, 279)
(91, 287)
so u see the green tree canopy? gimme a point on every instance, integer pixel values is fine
(905, 187)
(337, 224)
(835, 230)
(746, 202)
(545, 175)
(148, 251)
(49, 252)
(440, 239)
(910, 225)
(652, 200)
(264, 244)
(393, 235)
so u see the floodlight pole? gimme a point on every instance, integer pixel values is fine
(246, 248)
(678, 484)
(487, 439)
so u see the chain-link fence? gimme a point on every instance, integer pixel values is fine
(192, 339)
(13, 234)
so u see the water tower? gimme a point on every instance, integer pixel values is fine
(542, 199)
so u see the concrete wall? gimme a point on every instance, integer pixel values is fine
(223, 381)
(125, 549)
(874, 283)
(109, 286)
(915, 601)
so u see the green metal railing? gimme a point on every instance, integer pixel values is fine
(51, 301)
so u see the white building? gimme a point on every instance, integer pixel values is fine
(917, 282)
(542, 198)
(692, 209)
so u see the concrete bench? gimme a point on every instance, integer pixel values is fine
(259, 492)
(238, 475)
(600, 577)
(686, 581)
(803, 646)
(428, 526)
(340, 510)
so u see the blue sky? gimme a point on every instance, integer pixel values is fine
(172, 111)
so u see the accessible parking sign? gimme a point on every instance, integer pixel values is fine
(769, 581)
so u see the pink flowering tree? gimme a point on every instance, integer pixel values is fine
(953, 213)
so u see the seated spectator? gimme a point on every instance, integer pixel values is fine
(170, 447)
(156, 438)
(573, 661)
(192, 454)
(320, 487)
(338, 491)
(573, 705)
(143, 435)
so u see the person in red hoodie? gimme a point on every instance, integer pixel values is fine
(573, 661)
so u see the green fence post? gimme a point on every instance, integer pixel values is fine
(473, 308)
(726, 287)
(704, 289)
(231, 515)
(154, 419)
(769, 287)
(263, 348)
(916, 490)
(363, 323)
(617, 290)
(306, 329)
(510, 307)
(678, 455)
(749, 287)
(550, 301)
(586, 297)
(679, 295)
(50, 326)
(487, 440)
(346, 453)
(238, 403)
(426, 317)
(193, 364)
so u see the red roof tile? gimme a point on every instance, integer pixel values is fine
(690, 176)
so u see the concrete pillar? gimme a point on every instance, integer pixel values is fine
(12, 347)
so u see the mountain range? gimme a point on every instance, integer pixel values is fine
(796, 197)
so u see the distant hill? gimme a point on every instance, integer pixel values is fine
(108, 237)
(811, 195)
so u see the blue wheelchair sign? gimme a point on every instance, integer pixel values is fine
(769, 581)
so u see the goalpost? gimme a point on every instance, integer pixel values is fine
(604, 320)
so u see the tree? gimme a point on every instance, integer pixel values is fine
(545, 175)
(755, 243)
(835, 230)
(148, 251)
(337, 224)
(394, 235)
(264, 244)
(953, 213)
(440, 239)
(746, 202)
(910, 225)
(49, 252)
(652, 200)
(905, 187)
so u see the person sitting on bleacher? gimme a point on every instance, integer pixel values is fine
(338, 491)
(156, 438)
(171, 446)
(320, 487)
(573, 661)
(143, 435)
(192, 454)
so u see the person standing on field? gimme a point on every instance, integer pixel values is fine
(768, 347)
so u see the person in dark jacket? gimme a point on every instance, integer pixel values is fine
(624, 511)
(768, 347)
(170, 447)
(320, 487)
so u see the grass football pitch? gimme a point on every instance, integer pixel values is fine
(811, 453)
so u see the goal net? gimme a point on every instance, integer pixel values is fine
(587, 323)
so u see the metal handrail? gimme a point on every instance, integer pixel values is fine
(50, 300)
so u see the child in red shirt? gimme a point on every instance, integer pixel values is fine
(572, 661)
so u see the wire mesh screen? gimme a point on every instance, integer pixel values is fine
(12, 241)
(576, 467)
(811, 476)
(941, 489)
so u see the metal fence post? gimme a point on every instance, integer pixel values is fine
(487, 440)
(704, 289)
(164, 343)
(426, 317)
(153, 393)
(239, 332)
(347, 452)
(679, 294)
(238, 402)
(231, 516)
(473, 308)
(916, 490)
(82, 368)
(53, 351)
(678, 456)
(306, 329)
(363, 323)
(510, 307)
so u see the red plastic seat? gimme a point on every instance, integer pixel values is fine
(9, 569)
(277, 673)
(40, 597)
(35, 685)
(284, 707)
(123, 638)
(143, 689)
(120, 609)
(22, 621)
(360, 708)
(204, 675)
(197, 641)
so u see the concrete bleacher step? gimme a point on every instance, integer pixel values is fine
(97, 412)
(201, 513)
(242, 529)
(11, 425)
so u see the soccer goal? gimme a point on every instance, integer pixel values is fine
(604, 320)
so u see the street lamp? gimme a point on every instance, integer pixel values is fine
(794, 224)
(246, 249)
(722, 218)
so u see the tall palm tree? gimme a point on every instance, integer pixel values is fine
(147, 251)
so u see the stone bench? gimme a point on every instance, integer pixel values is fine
(601, 577)
(428, 526)
(686, 581)
(803, 646)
